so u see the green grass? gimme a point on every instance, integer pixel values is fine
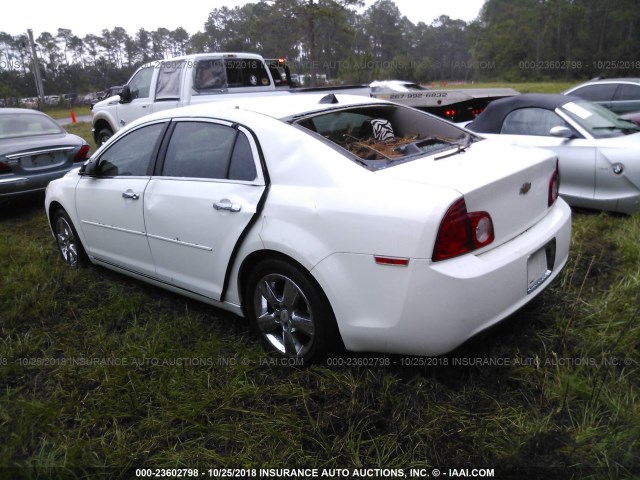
(102, 374)
(65, 112)
(537, 87)
(82, 129)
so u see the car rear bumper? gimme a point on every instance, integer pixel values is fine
(431, 308)
(19, 184)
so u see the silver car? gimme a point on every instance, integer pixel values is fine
(599, 153)
(620, 95)
(34, 150)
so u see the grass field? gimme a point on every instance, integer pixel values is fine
(101, 375)
(538, 87)
(82, 129)
(61, 112)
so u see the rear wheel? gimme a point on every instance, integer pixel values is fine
(289, 311)
(69, 246)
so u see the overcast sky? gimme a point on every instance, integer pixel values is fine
(83, 17)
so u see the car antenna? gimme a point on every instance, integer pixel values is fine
(330, 98)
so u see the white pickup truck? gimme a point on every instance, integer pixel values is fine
(207, 77)
(180, 81)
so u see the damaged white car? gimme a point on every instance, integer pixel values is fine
(324, 220)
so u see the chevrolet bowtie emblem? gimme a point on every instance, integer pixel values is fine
(524, 189)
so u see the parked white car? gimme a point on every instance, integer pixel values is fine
(322, 219)
(52, 99)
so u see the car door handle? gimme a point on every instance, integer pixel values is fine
(131, 195)
(228, 206)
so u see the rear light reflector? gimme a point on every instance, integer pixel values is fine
(4, 168)
(394, 261)
(554, 185)
(82, 154)
(462, 232)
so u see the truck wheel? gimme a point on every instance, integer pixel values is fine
(104, 134)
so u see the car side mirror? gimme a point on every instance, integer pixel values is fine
(561, 132)
(89, 169)
(125, 94)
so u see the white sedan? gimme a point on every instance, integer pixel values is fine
(324, 220)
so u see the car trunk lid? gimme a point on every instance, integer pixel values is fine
(39, 159)
(510, 183)
(42, 154)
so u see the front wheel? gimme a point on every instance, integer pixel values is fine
(289, 311)
(103, 135)
(69, 246)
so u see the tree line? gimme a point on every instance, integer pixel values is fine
(511, 40)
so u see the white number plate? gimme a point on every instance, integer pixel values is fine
(537, 269)
(44, 160)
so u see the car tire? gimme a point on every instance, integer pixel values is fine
(67, 240)
(104, 134)
(289, 311)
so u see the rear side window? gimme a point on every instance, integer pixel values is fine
(596, 93)
(628, 92)
(531, 121)
(211, 76)
(242, 165)
(209, 151)
(243, 72)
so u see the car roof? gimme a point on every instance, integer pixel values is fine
(194, 57)
(278, 106)
(16, 111)
(602, 81)
(490, 121)
(612, 80)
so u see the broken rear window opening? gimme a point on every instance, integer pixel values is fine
(381, 136)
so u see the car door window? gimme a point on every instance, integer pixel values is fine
(242, 165)
(131, 155)
(531, 121)
(596, 93)
(209, 75)
(140, 84)
(210, 151)
(168, 83)
(628, 92)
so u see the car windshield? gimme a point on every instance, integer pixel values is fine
(27, 125)
(597, 120)
(381, 136)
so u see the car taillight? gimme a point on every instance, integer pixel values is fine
(4, 168)
(82, 154)
(554, 185)
(461, 232)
